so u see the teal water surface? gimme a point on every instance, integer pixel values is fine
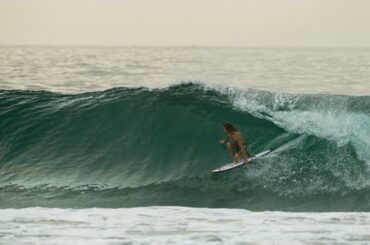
(127, 147)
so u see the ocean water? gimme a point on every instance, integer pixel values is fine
(116, 145)
(179, 225)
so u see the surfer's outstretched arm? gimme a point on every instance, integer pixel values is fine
(224, 140)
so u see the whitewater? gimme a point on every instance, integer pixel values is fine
(116, 145)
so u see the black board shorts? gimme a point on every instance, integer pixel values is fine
(235, 147)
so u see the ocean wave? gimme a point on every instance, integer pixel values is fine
(140, 146)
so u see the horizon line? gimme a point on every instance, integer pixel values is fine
(177, 46)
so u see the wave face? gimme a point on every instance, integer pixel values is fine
(128, 147)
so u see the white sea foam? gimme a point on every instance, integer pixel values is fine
(330, 120)
(179, 225)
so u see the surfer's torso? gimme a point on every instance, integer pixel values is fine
(236, 137)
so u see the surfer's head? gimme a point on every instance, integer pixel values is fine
(229, 128)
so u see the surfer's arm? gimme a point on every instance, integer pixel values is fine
(224, 140)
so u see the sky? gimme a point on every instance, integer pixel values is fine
(324, 23)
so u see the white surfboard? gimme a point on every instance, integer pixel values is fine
(237, 164)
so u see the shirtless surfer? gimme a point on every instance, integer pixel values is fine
(235, 143)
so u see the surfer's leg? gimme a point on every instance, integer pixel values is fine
(237, 157)
(230, 149)
(235, 149)
(240, 156)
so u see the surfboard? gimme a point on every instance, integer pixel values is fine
(237, 164)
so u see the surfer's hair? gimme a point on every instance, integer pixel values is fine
(229, 127)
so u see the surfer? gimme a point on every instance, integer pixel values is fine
(235, 143)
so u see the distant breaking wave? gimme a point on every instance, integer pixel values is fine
(128, 147)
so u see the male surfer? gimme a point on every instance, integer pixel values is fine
(235, 143)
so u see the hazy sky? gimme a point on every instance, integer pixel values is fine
(186, 22)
